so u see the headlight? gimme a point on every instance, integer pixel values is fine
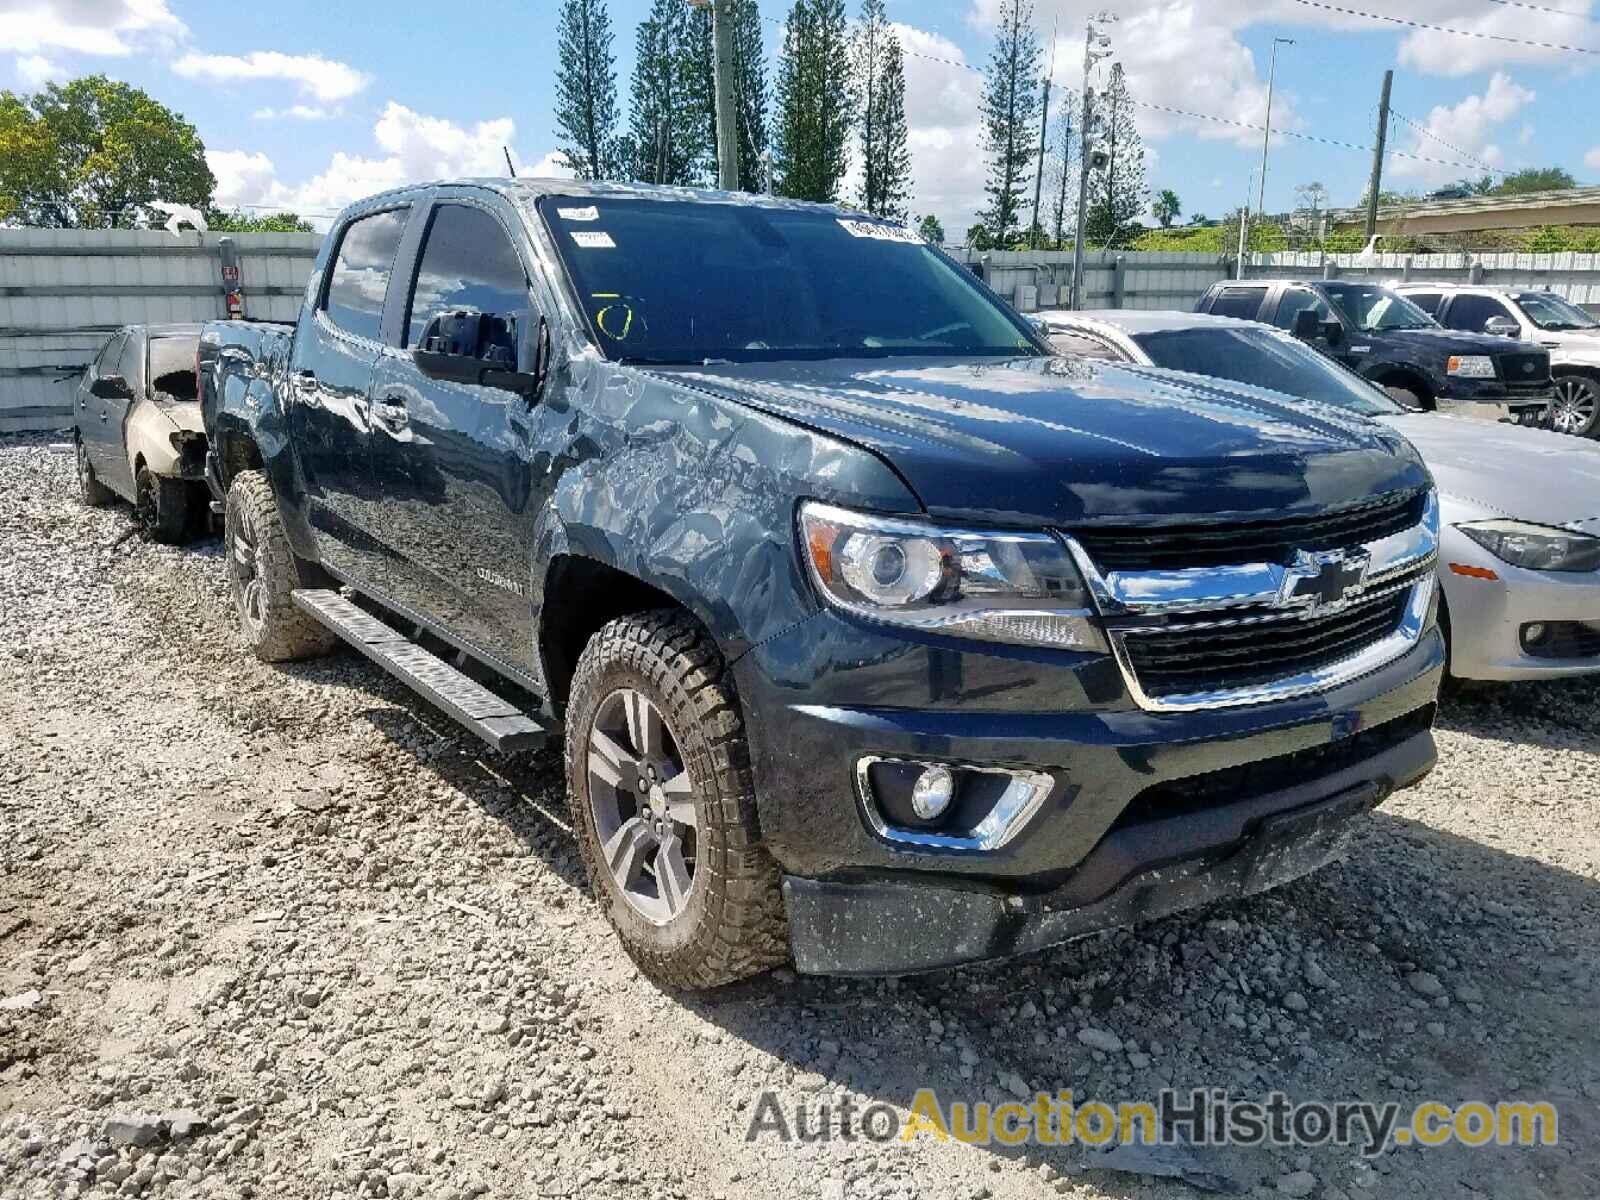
(1021, 588)
(1537, 547)
(1471, 366)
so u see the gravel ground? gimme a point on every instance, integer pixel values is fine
(294, 935)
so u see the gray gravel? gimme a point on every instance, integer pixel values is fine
(286, 933)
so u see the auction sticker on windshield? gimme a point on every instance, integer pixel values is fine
(880, 233)
(579, 214)
(594, 239)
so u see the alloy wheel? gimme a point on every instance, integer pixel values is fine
(243, 559)
(642, 801)
(1575, 404)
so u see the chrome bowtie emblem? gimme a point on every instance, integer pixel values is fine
(1529, 368)
(1323, 581)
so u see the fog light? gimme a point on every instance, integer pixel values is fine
(934, 790)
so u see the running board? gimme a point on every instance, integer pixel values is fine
(496, 721)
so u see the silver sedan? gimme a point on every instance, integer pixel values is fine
(1519, 558)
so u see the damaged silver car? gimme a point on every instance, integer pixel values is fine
(138, 433)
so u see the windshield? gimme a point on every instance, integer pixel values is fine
(666, 281)
(172, 366)
(1549, 311)
(1267, 359)
(1373, 308)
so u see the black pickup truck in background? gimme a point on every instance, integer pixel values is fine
(1383, 337)
(877, 634)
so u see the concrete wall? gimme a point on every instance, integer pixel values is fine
(1033, 280)
(63, 291)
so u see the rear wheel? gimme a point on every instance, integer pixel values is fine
(90, 490)
(663, 799)
(1577, 406)
(264, 573)
(161, 506)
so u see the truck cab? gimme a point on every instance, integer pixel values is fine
(1385, 338)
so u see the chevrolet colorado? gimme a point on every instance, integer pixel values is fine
(878, 635)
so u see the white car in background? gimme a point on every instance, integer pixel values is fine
(1519, 556)
(1543, 318)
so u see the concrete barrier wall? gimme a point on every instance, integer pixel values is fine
(64, 291)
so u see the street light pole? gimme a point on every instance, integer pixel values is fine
(722, 71)
(1096, 46)
(1266, 138)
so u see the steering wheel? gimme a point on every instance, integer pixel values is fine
(944, 329)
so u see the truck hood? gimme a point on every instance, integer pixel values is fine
(1062, 440)
(1529, 474)
(1571, 345)
(1448, 341)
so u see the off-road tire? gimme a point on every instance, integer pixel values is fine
(276, 631)
(733, 926)
(161, 506)
(1409, 397)
(90, 490)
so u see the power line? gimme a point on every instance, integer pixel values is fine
(1544, 8)
(1428, 133)
(1471, 33)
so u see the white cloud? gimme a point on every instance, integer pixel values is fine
(1464, 129)
(1452, 55)
(412, 148)
(108, 28)
(324, 79)
(295, 112)
(1592, 159)
(945, 134)
(35, 70)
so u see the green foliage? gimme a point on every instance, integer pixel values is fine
(236, 221)
(1060, 177)
(1117, 191)
(816, 104)
(667, 130)
(1010, 108)
(1167, 208)
(586, 89)
(931, 228)
(1532, 179)
(82, 154)
(750, 94)
(880, 85)
(979, 237)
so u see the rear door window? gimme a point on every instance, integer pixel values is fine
(468, 264)
(1428, 302)
(1241, 302)
(1470, 313)
(1082, 345)
(105, 363)
(359, 280)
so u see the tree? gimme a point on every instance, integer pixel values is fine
(878, 69)
(1167, 208)
(1117, 190)
(1533, 179)
(750, 94)
(816, 104)
(932, 229)
(586, 89)
(237, 221)
(1010, 110)
(83, 154)
(980, 237)
(1063, 180)
(666, 130)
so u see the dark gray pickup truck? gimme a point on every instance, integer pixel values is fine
(879, 635)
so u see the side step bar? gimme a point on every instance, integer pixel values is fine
(501, 724)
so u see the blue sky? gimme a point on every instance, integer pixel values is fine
(313, 104)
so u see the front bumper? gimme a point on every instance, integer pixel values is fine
(829, 692)
(1487, 615)
(1493, 400)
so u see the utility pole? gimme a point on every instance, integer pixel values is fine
(722, 60)
(1377, 157)
(1044, 126)
(1096, 45)
(1266, 138)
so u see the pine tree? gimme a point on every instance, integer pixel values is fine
(1060, 173)
(666, 132)
(880, 82)
(586, 89)
(698, 70)
(1117, 191)
(811, 144)
(1011, 118)
(750, 94)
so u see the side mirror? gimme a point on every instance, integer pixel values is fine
(1502, 327)
(1332, 332)
(1307, 325)
(111, 387)
(477, 349)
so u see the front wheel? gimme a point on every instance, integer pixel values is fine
(1408, 396)
(161, 506)
(264, 574)
(658, 770)
(1577, 406)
